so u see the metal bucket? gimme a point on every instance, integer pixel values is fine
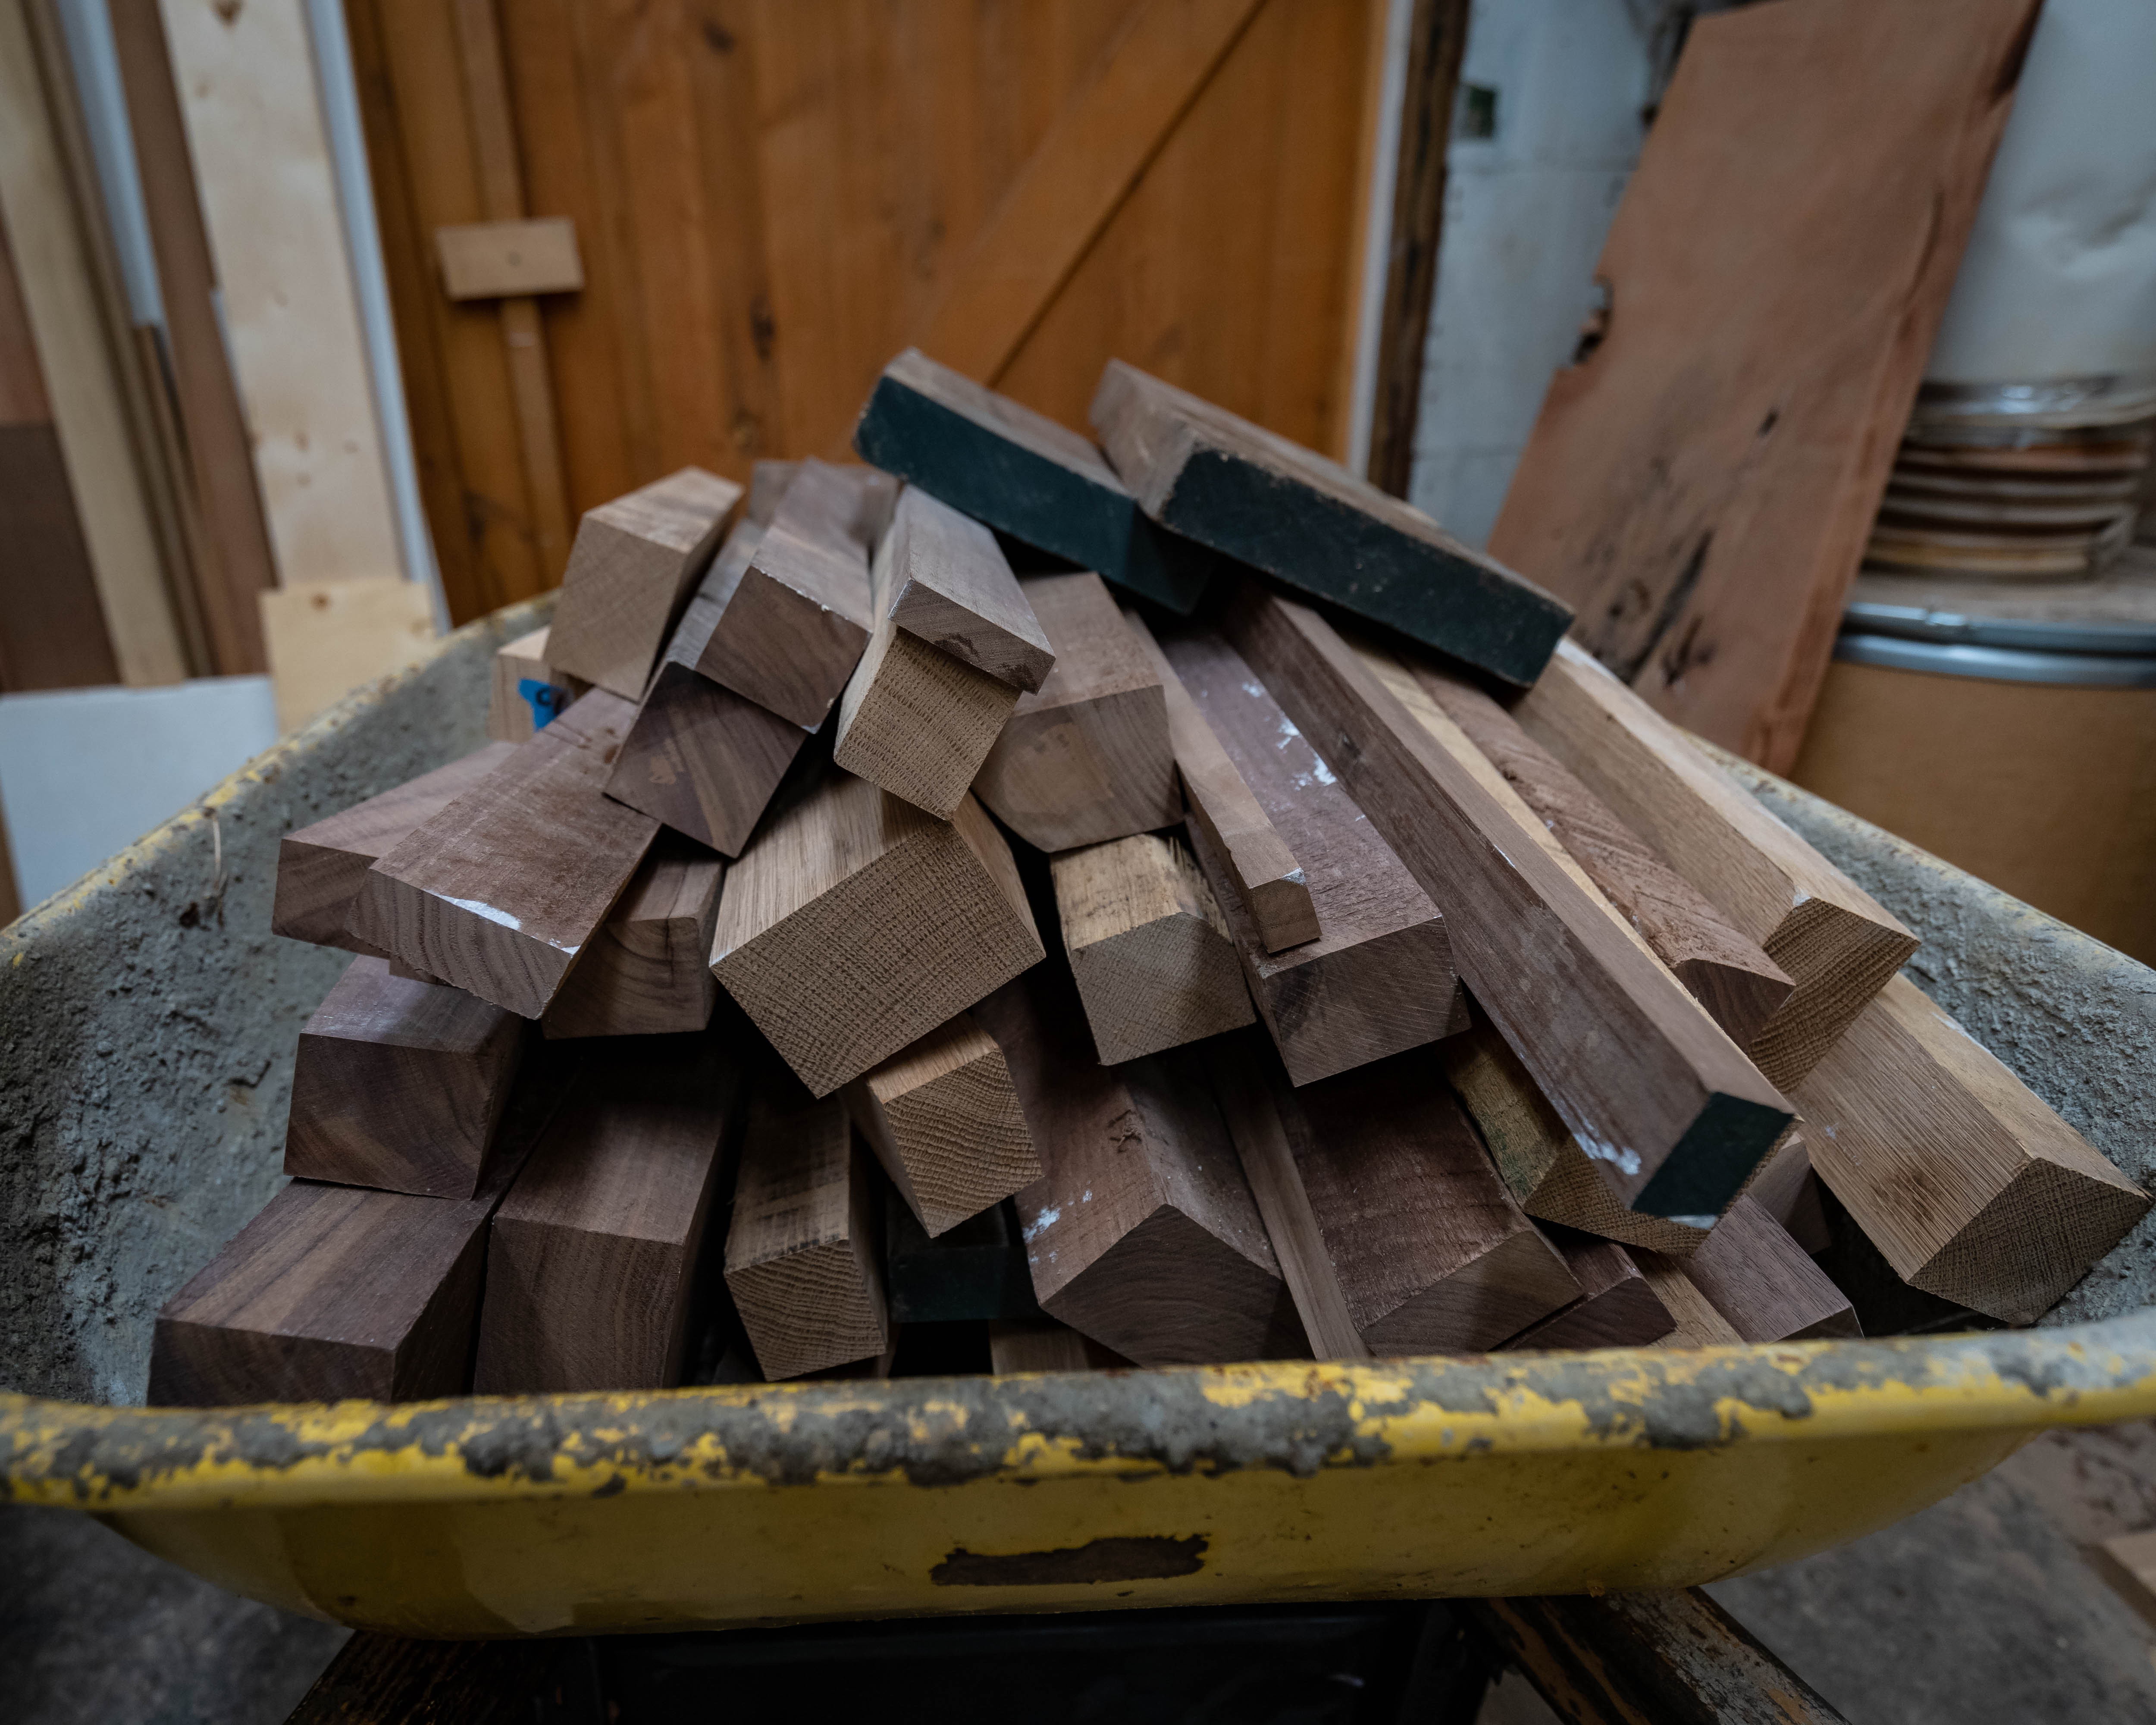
(2009, 730)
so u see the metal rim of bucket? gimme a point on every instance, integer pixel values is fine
(2104, 638)
(1953, 657)
(2079, 407)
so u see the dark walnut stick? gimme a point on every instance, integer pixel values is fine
(1725, 970)
(1678, 1120)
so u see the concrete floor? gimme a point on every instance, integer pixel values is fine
(1980, 1611)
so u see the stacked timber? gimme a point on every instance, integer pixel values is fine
(1265, 939)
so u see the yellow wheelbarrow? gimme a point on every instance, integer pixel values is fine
(149, 1021)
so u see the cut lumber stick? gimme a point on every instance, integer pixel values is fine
(527, 689)
(1257, 861)
(1673, 1658)
(1697, 1323)
(801, 1254)
(332, 1291)
(700, 757)
(335, 1290)
(789, 623)
(1024, 474)
(1142, 1234)
(1544, 1168)
(591, 1260)
(950, 586)
(1971, 1188)
(1679, 1121)
(322, 868)
(398, 1085)
(1538, 1157)
(855, 924)
(1617, 1306)
(649, 970)
(1148, 946)
(1085, 758)
(1379, 977)
(1044, 1345)
(500, 892)
(1725, 970)
(635, 563)
(1214, 477)
(767, 484)
(1243, 1087)
(914, 719)
(1432, 1254)
(1835, 941)
(943, 1119)
(973, 1272)
(1764, 1283)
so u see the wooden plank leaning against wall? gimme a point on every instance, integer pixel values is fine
(79, 475)
(773, 200)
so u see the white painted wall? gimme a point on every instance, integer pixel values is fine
(86, 772)
(1525, 213)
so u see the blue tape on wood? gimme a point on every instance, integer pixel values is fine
(547, 700)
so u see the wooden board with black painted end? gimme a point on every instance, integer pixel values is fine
(1024, 474)
(1147, 946)
(1086, 757)
(1971, 1187)
(1617, 1306)
(648, 972)
(500, 892)
(1379, 977)
(1142, 1234)
(787, 623)
(1270, 884)
(915, 718)
(633, 565)
(944, 1119)
(1836, 942)
(1214, 477)
(591, 1260)
(321, 867)
(1725, 970)
(335, 1292)
(528, 690)
(1537, 1156)
(1681, 1119)
(700, 757)
(398, 1085)
(857, 923)
(801, 1258)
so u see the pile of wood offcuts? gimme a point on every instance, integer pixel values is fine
(1022, 902)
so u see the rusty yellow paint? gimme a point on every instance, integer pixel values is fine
(1519, 1474)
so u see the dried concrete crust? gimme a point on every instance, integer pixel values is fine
(2074, 1019)
(147, 1023)
(943, 1432)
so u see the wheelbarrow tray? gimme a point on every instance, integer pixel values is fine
(149, 1022)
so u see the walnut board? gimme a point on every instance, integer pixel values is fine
(1378, 979)
(1701, 484)
(1085, 758)
(500, 891)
